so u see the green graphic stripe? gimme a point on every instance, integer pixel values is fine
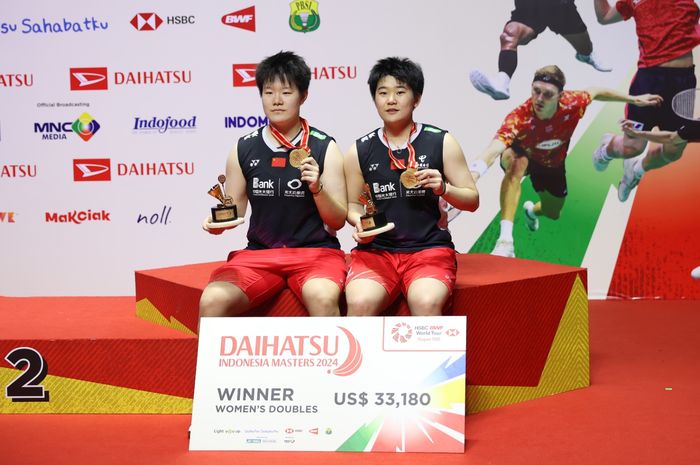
(565, 240)
(359, 440)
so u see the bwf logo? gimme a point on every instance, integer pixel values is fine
(242, 19)
(88, 79)
(92, 169)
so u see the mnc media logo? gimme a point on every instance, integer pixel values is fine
(244, 75)
(242, 19)
(88, 79)
(92, 169)
(85, 127)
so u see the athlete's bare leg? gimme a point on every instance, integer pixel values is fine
(365, 297)
(497, 86)
(660, 155)
(222, 298)
(427, 297)
(516, 167)
(581, 42)
(549, 205)
(320, 296)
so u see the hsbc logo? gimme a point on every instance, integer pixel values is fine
(242, 19)
(88, 79)
(151, 21)
(244, 75)
(92, 169)
(146, 21)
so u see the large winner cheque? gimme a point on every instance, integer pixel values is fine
(394, 384)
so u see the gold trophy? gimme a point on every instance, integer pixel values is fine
(372, 222)
(225, 211)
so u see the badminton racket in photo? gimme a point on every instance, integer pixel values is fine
(686, 104)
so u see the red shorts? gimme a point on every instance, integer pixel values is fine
(261, 274)
(391, 269)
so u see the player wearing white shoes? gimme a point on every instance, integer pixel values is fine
(667, 31)
(534, 140)
(527, 21)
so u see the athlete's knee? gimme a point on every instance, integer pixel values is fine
(509, 37)
(362, 305)
(425, 304)
(632, 147)
(213, 303)
(323, 304)
(671, 155)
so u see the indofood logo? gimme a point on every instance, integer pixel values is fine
(300, 351)
(304, 16)
(152, 125)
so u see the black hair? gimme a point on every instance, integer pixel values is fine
(288, 67)
(402, 69)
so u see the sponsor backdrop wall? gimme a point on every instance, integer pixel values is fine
(115, 120)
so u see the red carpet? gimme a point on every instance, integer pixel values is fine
(643, 408)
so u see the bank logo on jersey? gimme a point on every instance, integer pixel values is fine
(263, 187)
(294, 189)
(304, 16)
(384, 191)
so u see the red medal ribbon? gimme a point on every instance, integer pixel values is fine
(411, 151)
(285, 142)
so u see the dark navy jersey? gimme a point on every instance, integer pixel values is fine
(283, 211)
(421, 222)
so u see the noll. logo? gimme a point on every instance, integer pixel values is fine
(242, 19)
(146, 21)
(92, 169)
(244, 75)
(304, 16)
(88, 79)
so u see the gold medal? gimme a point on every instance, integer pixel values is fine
(408, 178)
(297, 156)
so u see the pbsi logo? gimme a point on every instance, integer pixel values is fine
(92, 169)
(146, 21)
(242, 19)
(244, 75)
(88, 79)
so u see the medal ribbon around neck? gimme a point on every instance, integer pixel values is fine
(285, 142)
(411, 151)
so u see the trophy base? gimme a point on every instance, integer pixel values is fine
(209, 224)
(221, 214)
(371, 222)
(376, 231)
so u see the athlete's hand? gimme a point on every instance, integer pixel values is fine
(648, 100)
(358, 239)
(431, 179)
(310, 173)
(627, 127)
(215, 231)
